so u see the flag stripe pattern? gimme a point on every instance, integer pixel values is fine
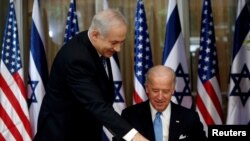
(174, 56)
(241, 26)
(72, 27)
(38, 69)
(14, 116)
(208, 99)
(238, 97)
(142, 53)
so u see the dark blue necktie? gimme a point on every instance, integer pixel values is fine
(158, 127)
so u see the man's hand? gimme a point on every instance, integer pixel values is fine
(139, 137)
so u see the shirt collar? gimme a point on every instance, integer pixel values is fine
(165, 113)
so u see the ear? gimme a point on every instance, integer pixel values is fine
(94, 35)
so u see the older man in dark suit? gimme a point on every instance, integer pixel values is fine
(177, 122)
(80, 94)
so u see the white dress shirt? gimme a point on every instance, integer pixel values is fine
(165, 118)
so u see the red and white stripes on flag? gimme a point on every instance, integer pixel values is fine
(174, 56)
(14, 115)
(239, 87)
(208, 98)
(142, 54)
(38, 69)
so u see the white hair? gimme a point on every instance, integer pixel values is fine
(103, 20)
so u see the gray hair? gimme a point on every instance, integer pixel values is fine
(103, 20)
(160, 70)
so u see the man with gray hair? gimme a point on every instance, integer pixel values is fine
(159, 119)
(80, 93)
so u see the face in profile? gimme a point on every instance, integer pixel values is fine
(160, 90)
(112, 42)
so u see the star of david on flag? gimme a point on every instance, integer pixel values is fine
(174, 56)
(117, 87)
(38, 69)
(239, 84)
(31, 92)
(119, 102)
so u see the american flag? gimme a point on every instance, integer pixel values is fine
(72, 27)
(174, 56)
(14, 115)
(239, 87)
(208, 98)
(38, 69)
(142, 53)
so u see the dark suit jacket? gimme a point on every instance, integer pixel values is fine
(183, 122)
(79, 96)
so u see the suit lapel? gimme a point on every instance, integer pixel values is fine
(175, 124)
(105, 83)
(109, 69)
(149, 128)
(96, 58)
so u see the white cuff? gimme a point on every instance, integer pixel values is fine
(130, 135)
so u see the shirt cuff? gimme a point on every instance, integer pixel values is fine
(130, 135)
